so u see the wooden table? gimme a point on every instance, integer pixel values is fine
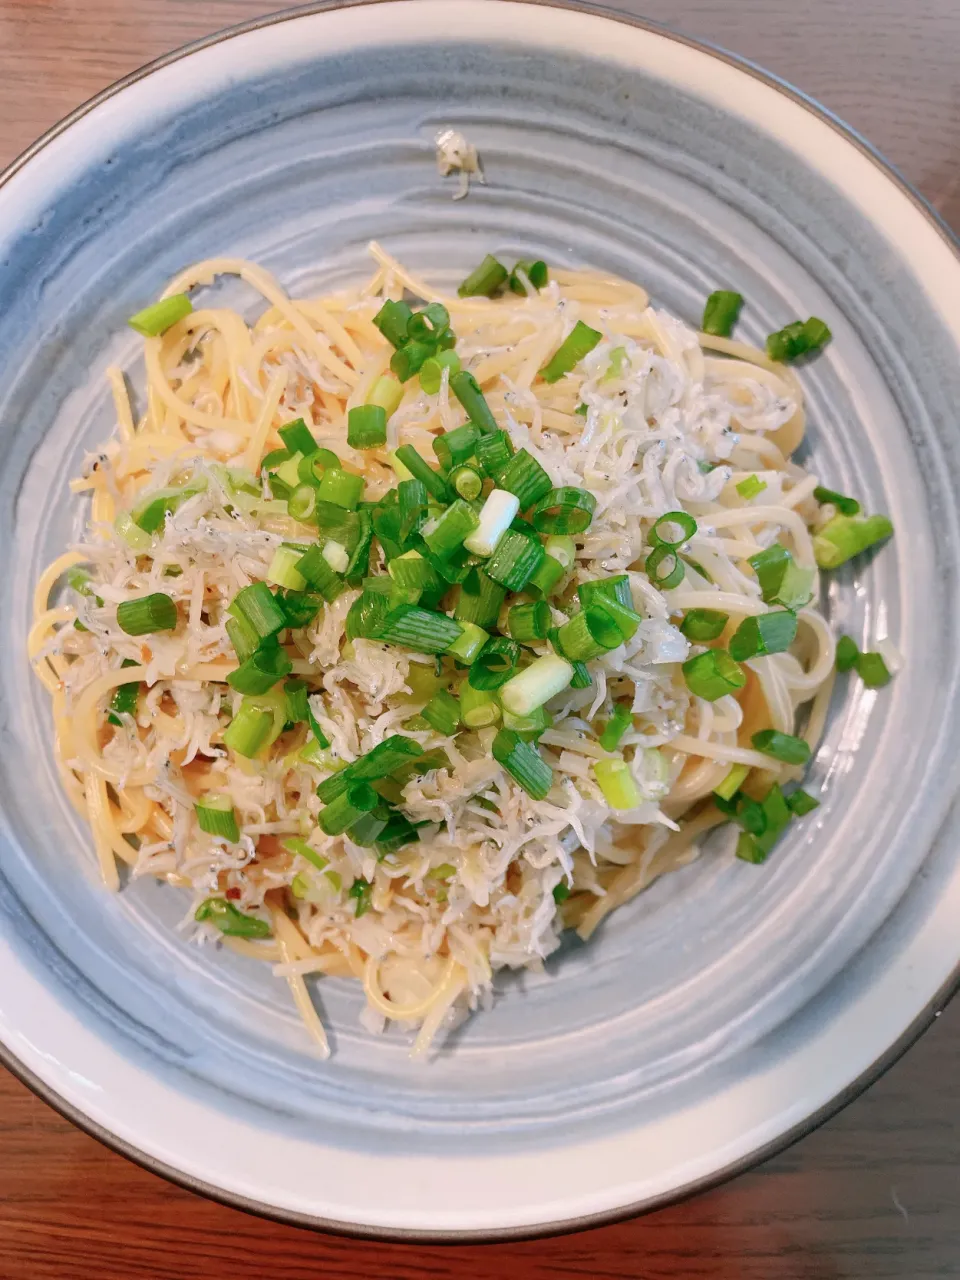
(876, 1192)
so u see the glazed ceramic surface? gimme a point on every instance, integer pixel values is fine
(729, 1004)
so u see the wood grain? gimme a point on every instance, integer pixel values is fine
(876, 1192)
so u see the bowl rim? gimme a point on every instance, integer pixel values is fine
(924, 1018)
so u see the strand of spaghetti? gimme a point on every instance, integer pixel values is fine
(121, 402)
(695, 783)
(725, 601)
(268, 952)
(403, 1012)
(445, 998)
(265, 284)
(722, 751)
(783, 516)
(289, 939)
(45, 583)
(258, 439)
(811, 681)
(96, 794)
(165, 394)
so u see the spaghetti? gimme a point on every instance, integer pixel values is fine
(654, 421)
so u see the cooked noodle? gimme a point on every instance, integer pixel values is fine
(673, 429)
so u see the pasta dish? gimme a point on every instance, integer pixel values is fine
(410, 628)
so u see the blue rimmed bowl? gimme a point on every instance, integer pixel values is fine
(730, 1007)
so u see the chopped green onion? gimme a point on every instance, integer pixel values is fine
(312, 466)
(392, 320)
(750, 487)
(380, 762)
(528, 622)
(445, 534)
(493, 452)
(387, 393)
(515, 560)
(431, 371)
(847, 653)
(367, 830)
(243, 637)
(338, 524)
(872, 670)
(587, 634)
(361, 890)
(231, 922)
(261, 671)
(340, 488)
(846, 506)
(289, 471)
(712, 674)
(412, 504)
(131, 533)
(701, 625)
(781, 579)
(274, 458)
(536, 272)
(564, 511)
(410, 359)
(484, 281)
(248, 731)
(314, 568)
(359, 561)
(428, 324)
(524, 477)
(414, 573)
(578, 343)
(626, 619)
(721, 312)
(843, 537)
(781, 746)
(367, 426)
(662, 535)
(125, 697)
(536, 684)
(294, 845)
(398, 832)
(302, 503)
(419, 629)
(467, 481)
(616, 727)
(467, 390)
(797, 339)
(619, 787)
(523, 762)
(142, 617)
(356, 799)
(547, 577)
(442, 713)
(561, 892)
(664, 568)
(601, 590)
(158, 318)
(801, 803)
(283, 570)
(257, 606)
(581, 678)
(496, 515)
(336, 556)
(297, 704)
(564, 549)
(495, 664)
(467, 645)
(732, 783)
(530, 728)
(297, 438)
(151, 513)
(762, 634)
(216, 817)
(478, 707)
(480, 605)
(773, 816)
(420, 470)
(456, 446)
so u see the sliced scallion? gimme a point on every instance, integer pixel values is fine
(566, 510)
(419, 629)
(750, 487)
(467, 390)
(420, 470)
(367, 426)
(216, 817)
(701, 625)
(873, 671)
(392, 320)
(578, 343)
(231, 922)
(249, 730)
(536, 684)
(781, 746)
(590, 632)
(515, 560)
(467, 482)
(143, 617)
(619, 787)
(721, 312)
(468, 644)
(782, 580)
(843, 537)
(524, 477)
(495, 664)
(340, 488)
(386, 392)
(356, 799)
(450, 529)
(442, 713)
(484, 281)
(297, 438)
(496, 515)
(672, 530)
(616, 727)
(524, 763)
(456, 446)
(797, 339)
(493, 452)
(763, 633)
(283, 570)
(431, 371)
(480, 600)
(712, 674)
(157, 319)
(261, 671)
(732, 783)
(527, 622)
(846, 506)
(664, 568)
(536, 272)
(478, 707)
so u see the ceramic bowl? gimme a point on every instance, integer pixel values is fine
(730, 1007)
